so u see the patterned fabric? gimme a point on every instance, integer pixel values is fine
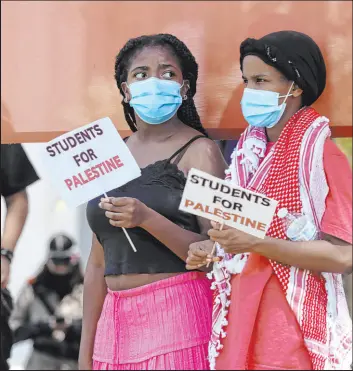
(165, 325)
(292, 173)
(194, 358)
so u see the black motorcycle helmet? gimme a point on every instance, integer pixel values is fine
(62, 259)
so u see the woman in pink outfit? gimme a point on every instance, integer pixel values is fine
(143, 310)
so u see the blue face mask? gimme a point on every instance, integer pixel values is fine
(261, 109)
(154, 100)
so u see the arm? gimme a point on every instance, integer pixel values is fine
(204, 155)
(20, 322)
(16, 215)
(94, 293)
(126, 212)
(17, 174)
(329, 255)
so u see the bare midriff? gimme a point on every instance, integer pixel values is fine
(131, 281)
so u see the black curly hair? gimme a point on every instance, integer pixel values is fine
(187, 112)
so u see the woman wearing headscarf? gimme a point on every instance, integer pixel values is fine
(279, 301)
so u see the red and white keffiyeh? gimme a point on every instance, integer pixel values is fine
(292, 173)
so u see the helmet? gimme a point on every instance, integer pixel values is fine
(61, 257)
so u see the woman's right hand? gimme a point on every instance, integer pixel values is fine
(199, 254)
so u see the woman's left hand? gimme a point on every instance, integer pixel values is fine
(232, 240)
(124, 212)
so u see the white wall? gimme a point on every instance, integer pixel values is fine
(48, 215)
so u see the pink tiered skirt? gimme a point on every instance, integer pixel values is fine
(165, 325)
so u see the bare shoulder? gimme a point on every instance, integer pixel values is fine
(206, 146)
(204, 154)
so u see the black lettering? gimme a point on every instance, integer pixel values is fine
(256, 198)
(236, 192)
(50, 151)
(85, 135)
(227, 204)
(246, 195)
(237, 206)
(64, 145)
(91, 132)
(214, 187)
(265, 202)
(216, 199)
(77, 159)
(72, 142)
(91, 154)
(204, 181)
(55, 145)
(98, 130)
(194, 179)
(225, 189)
(79, 138)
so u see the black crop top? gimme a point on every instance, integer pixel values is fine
(160, 187)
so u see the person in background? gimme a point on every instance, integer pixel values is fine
(17, 174)
(156, 315)
(49, 309)
(282, 297)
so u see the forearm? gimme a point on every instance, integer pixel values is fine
(16, 215)
(94, 293)
(171, 235)
(318, 256)
(31, 331)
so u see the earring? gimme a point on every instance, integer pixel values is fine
(185, 97)
(125, 100)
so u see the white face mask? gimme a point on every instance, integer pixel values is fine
(261, 109)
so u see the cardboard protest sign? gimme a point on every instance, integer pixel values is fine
(218, 200)
(89, 161)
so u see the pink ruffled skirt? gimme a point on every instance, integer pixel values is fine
(165, 325)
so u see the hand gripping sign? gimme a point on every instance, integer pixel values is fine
(218, 200)
(88, 162)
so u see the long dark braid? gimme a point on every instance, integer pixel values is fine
(187, 112)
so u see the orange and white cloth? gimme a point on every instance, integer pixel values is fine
(292, 172)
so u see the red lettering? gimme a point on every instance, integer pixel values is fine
(189, 203)
(89, 175)
(111, 165)
(251, 222)
(82, 179)
(68, 183)
(76, 181)
(99, 166)
(199, 207)
(105, 167)
(95, 172)
(226, 216)
(207, 210)
(218, 212)
(235, 217)
(261, 227)
(118, 162)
